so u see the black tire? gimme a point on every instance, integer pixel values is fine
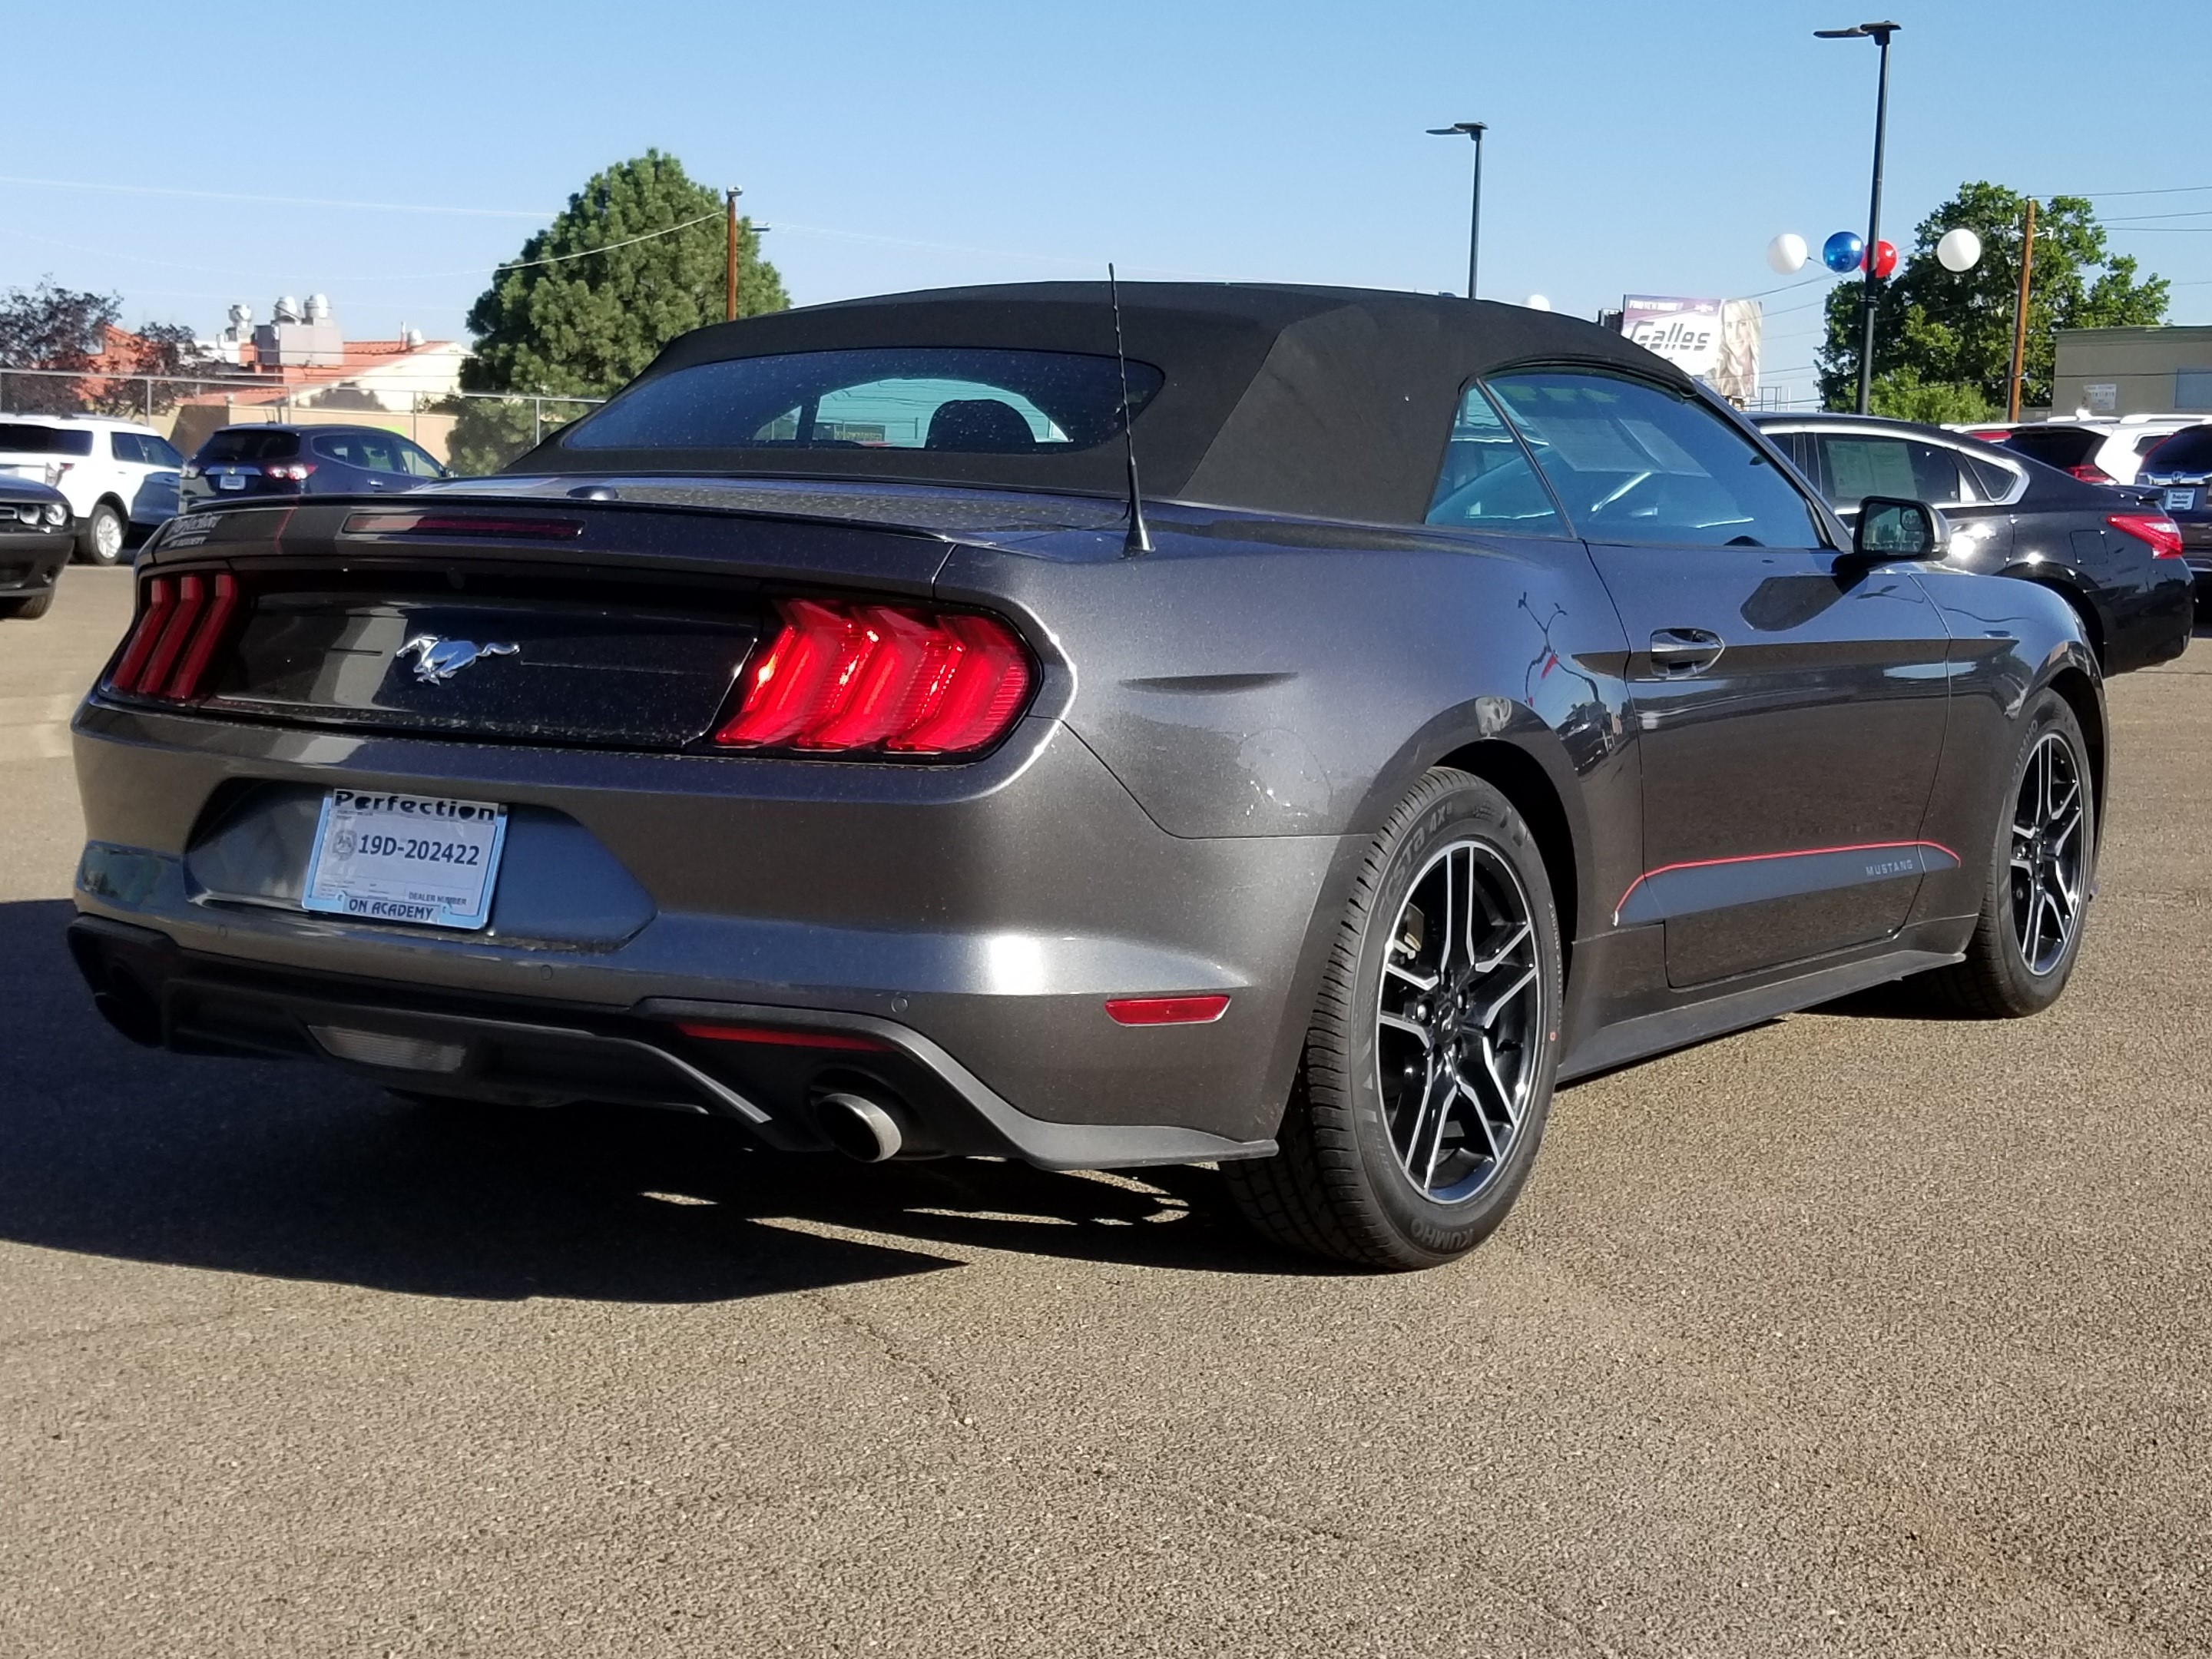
(100, 539)
(1340, 1186)
(28, 609)
(1996, 981)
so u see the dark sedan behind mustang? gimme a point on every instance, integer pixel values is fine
(2116, 556)
(809, 738)
(34, 544)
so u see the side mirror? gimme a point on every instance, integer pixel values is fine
(1890, 527)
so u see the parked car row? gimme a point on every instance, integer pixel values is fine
(116, 481)
(2116, 560)
(2096, 451)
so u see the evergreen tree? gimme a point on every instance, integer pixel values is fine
(638, 256)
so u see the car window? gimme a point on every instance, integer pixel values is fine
(162, 453)
(1993, 481)
(417, 461)
(2060, 447)
(968, 401)
(2150, 442)
(1632, 462)
(2189, 450)
(371, 452)
(125, 447)
(1486, 481)
(26, 438)
(1858, 464)
(247, 444)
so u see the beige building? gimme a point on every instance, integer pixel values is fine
(2133, 371)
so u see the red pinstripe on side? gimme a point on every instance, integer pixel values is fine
(1764, 858)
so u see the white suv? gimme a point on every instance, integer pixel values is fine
(117, 475)
(2099, 450)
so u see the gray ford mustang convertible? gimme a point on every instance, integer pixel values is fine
(813, 735)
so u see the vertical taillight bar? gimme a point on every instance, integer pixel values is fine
(161, 601)
(175, 642)
(222, 601)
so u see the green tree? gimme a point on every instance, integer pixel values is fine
(638, 256)
(1951, 331)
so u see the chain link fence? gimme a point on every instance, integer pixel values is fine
(471, 432)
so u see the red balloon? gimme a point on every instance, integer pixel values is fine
(1885, 260)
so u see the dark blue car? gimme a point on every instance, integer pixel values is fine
(238, 463)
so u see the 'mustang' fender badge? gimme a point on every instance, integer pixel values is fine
(438, 660)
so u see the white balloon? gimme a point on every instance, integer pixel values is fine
(1538, 302)
(1785, 254)
(1959, 249)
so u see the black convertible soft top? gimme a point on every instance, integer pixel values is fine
(1331, 402)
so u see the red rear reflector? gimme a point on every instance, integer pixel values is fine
(462, 524)
(2160, 532)
(1167, 1010)
(2090, 474)
(841, 676)
(763, 1034)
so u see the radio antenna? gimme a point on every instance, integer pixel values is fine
(1140, 540)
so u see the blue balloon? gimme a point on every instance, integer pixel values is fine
(1842, 252)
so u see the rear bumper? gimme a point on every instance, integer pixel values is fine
(536, 1053)
(970, 923)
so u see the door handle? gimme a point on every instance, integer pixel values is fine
(1676, 652)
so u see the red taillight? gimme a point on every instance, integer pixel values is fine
(841, 676)
(295, 471)
(2090, 472)
(1166, 1011)
(2160, 532)
(177, 635)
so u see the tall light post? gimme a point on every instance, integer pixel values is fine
(1879, 34)
(1474, 130)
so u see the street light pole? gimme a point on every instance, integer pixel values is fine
(1474, 130)
(1880, 34)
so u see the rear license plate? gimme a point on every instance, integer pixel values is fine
(405, 858)
(230, 481)
(2180, 500)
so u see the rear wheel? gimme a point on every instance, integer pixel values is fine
(28, 609)
(100, 537)
(1430, 1060)
(2042, 866)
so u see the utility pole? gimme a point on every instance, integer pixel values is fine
(729, 282)
(2020, 314)
(1474, 130)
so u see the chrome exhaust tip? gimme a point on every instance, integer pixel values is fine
(858, 1127)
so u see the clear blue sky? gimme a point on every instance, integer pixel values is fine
(1652, 146)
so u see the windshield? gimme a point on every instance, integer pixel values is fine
(248, 445)
(963, 400)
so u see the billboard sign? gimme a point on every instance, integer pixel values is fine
(1715, 340)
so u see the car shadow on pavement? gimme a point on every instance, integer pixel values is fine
(295, 1171)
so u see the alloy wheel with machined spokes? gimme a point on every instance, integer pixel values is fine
(2050, 858)
(1460, 1010)
(1427, 1077)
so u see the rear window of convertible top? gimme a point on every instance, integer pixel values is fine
(965, 400)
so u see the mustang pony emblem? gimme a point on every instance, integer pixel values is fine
(438, 660)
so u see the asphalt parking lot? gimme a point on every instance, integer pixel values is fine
(1856, 1334)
